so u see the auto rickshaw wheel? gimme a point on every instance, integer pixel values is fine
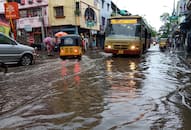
(114, 55)
(63, 57)
(79, 58)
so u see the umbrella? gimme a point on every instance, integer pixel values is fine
(60, 34)
(47, 39)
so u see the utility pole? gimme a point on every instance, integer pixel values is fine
(173, 12)
(77, 9)
(42, 24)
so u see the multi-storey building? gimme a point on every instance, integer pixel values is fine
(41, 18)
(105, 13)
(184, 22)
(32, 26)
(75, 16)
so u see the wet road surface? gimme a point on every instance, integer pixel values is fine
(100, 92)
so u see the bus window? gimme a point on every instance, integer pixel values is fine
(123, 30)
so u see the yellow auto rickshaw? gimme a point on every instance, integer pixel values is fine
(163, 43)
(70, 46)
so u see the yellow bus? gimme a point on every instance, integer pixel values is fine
(128, 35)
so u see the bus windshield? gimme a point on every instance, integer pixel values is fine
(123, 30)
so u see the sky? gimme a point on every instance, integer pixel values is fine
(150, 9)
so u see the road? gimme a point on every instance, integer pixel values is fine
(100, 92)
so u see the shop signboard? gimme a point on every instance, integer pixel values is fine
(28, 28)
(11, 10)
(173, 18)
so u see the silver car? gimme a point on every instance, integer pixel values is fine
(12, 52)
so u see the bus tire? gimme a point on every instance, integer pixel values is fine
(114, 55)
(79, 58)
(63, 57)
(140, 54)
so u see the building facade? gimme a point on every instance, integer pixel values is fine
(32, 26)
(75, 16)
(42, 18)
(184, 14)
(105, 13)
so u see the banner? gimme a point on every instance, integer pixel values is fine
(4, 28)
(11, 10)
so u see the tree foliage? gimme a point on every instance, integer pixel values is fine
(165, 17)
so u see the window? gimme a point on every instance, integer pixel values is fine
(30, 1)
(38, 0)
(33, 12)
(59, 11)
(4, 40)
(22, 2)
(23, 13)
(102, 1)
(108, 5)
(103, 20)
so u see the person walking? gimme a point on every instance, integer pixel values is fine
(49, 46)
(94, 42)
(87, 42)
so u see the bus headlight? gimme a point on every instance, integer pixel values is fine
(133, 47)
(109, 46)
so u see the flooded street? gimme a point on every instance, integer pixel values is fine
(100, 92)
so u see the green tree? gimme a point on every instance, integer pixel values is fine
(165, 17)
(165, 29)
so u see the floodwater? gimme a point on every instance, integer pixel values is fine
(100, 92)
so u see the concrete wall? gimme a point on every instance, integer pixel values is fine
(69, 17)
(105, 12)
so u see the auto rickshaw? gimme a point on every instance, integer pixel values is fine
(163, 44)
(70, 47)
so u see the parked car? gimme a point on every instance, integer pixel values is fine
(12, 52)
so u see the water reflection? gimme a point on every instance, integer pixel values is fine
(127, 80)
(101, 94)
(76, 72)
(66, 72)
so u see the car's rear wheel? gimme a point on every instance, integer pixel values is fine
(3, 67)
(26, 60)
